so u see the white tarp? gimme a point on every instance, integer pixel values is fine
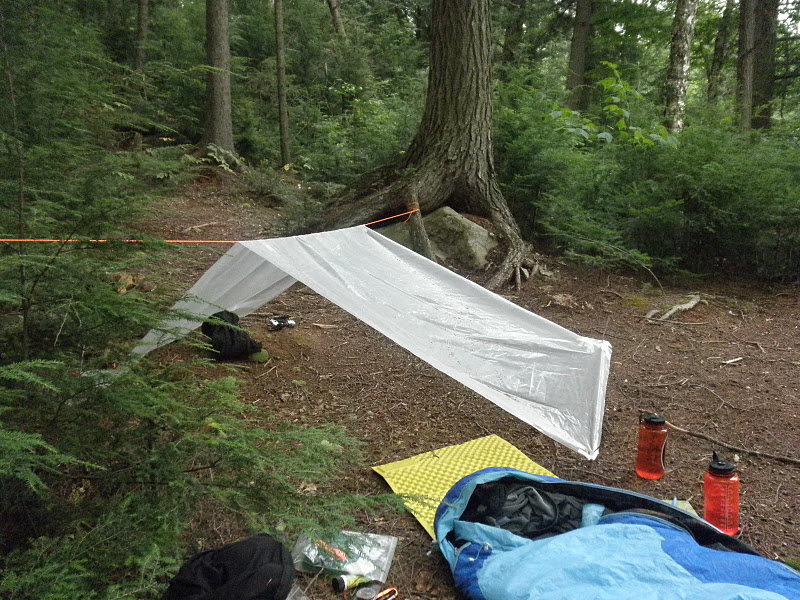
(547, 376)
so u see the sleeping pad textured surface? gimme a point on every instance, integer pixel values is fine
(509, 535)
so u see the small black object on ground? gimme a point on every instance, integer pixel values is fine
(228, 340)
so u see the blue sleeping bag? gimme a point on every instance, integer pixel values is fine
(509, 535)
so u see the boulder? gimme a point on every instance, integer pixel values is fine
(453, 238)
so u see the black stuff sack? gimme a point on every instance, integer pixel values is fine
(228, 341)
(256, 568)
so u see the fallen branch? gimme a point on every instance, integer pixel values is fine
(608, 291)
(703, 436)
(655, 321)
(688, 305)
(199, 227)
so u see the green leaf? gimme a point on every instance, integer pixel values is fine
(579, 131)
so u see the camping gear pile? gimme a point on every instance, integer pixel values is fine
(506, 533)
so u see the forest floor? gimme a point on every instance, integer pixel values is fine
(728, 369)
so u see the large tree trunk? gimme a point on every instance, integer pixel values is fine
(283, 113)
(578, 89)
(680, 51)
(219, 123)
(765, 40)
(744, 63)
(142, 25)
(720, 51)
(450, 161)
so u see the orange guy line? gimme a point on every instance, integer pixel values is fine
(46, 241)
(392, 217)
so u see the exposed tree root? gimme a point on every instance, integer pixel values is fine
(392, 190)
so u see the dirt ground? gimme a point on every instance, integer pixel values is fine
(728, 369)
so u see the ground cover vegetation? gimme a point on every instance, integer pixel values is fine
(103, 106)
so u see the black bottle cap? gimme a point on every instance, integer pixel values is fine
(719, 466)
(654, 419)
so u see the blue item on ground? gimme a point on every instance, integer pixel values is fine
(638, 547)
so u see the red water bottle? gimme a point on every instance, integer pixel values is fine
(652, 446)
(721, 495)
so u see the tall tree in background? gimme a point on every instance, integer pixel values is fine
(579, 91)
(765, 39)
(720, 51)
(680, 49)
(744, 63)
(515, 29)
(336, 18)
(142, 25)
(219, 121)
(450, 161)
(280, 55)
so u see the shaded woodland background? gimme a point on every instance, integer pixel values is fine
(653, 138)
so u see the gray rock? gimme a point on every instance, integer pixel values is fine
(453, 237)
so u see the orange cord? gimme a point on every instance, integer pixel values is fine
(393, 217)
(21, 240)
(124, 241)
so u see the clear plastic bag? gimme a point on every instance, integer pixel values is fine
(366, 554)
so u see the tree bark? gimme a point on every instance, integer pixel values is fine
(578, 89)
(142, 25)
(680, 52)
(765, 40)
(450, 161)
(720, 51)
(744, 63)
(219, 122)
(280, 55)
(336, 18)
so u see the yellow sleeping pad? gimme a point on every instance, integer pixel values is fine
(424, 479)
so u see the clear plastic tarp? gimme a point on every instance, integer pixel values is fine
(544, 374)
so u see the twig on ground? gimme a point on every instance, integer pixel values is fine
(608, 291)
(715, 394)
(199, 227)
(593, 474)
(265, 373)
(652, 320)
(703, 436)
(606, 334)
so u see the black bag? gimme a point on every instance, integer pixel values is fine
(228, 341)
(257, 568)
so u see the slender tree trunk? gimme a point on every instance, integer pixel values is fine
(744, 63)
(514, 32)
(16, 147)
(142, 24)
(579, 92)
(280, 54)
(450, 161)
(765, 40)
(680, 52)
(219, 122)
(336, 18)
(720, 51)
(422, 25)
